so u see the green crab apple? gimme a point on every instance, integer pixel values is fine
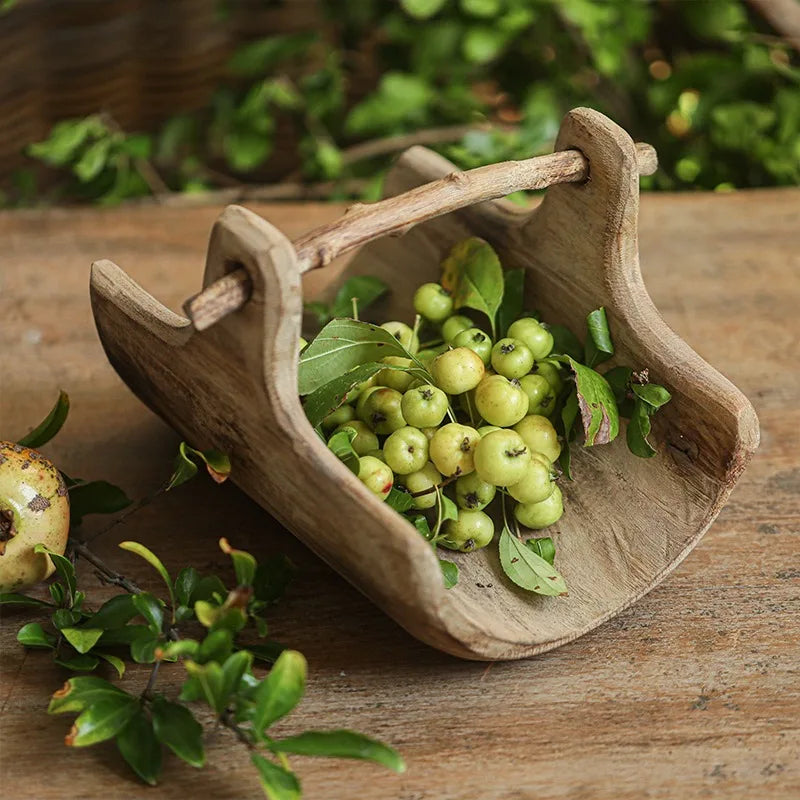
(406, 450)
(403, 334)
(364, 441)
(501, 458)
(375, 475)
(511, 358)
(536, 484)
(433, 302)
(395, 378)
(473, 493)
(424, 406)
(541, 515)
(457, 371)
(471, 531)
(338, 417)
(534, 335)
(500, 401)
(452, 449)
(477, 341)
(34, 509)
(382, 411)
(539, 434)
(422, 480)
(541, 397)
(551, 372)
(452, 326)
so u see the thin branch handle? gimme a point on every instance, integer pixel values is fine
(364, 222)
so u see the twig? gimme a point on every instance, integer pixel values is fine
(147, 694)
(79, 548)
(226, 720)
(784, 16)
(396, 215)
(148, 172)
(137, 505)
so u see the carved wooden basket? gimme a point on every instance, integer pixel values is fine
(227, 378)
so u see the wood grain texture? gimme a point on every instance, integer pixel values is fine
(395, 215)
(233, 387)
(692, 693)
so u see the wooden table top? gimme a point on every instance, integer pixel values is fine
(692, 693)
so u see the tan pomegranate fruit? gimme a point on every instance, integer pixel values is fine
(34, 509)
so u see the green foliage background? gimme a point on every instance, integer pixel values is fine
(705, 81)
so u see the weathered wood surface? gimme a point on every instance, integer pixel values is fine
(692, 693)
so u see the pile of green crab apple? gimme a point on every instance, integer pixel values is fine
(496, 437)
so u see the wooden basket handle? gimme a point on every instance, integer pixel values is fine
(362, 223)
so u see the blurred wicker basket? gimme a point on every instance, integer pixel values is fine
(139, 60)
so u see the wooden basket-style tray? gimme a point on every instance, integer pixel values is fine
(229, 381)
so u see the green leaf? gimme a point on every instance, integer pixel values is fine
(399, 500)
(93, 160)
(143, 648)
(320, 311)
(259, 57)
(33, 635)
(185, 584)
(449, 572)
(211, 681)
(64, 140)
(155, 562)
(114, 613)
(619, 379)
(50, 425)
(234, 668)
(340, 744)
(639, 430)
(78, 694)
(117, 663)
(449, 508)
(569, 414)
(473, 273)
(139, 747)
(125, 635)
(422, 9)
(183, 647)
(64, 618)
(599, 347)
(528, 569)
(277, 783)
(341, 446)
(77, 662)
(272, 577)
(421, 524)
(207, 588)
(57, 593)
(176, 727)
(543, 547)
(339, 347)
(191, 691)
(513, 299)
(565, 342)
(281, 690)
(269, 651)
(366, 289)
(102, 720)
(185, 468)
(596, 403)
(652, 394)
(82, 639)
(244, 564)
(335, 392)
(151, 609)
(65, 570)
(95, 497)
(215, 647)
(14, 599)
